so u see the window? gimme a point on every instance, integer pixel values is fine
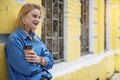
(84, 27)
(52, 29)
(105, 47)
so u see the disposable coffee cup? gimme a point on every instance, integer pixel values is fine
(27, 48)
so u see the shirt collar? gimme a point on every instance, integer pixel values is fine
(23, 34)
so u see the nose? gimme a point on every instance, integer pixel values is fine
(38, 19)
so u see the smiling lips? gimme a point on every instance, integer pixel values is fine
(35, 23)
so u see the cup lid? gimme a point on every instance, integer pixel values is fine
(28, 47)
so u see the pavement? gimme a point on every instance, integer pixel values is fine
(116, 76)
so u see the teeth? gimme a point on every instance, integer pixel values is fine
(35, 23)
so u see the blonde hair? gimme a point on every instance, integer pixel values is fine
(26, 8)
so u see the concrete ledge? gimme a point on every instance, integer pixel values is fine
(64, 68)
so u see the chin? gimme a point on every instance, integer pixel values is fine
(34, 27)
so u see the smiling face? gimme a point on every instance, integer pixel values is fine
(32, 19)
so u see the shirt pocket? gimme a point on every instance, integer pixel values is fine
(37, 48)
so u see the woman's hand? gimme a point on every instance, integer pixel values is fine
(31, 57)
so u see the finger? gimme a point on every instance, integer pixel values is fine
(28, 55)
(31, 57)
(31, 52)
(32, 60)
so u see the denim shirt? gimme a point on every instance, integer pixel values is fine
(18, 67)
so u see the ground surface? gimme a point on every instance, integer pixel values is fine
(116, 76)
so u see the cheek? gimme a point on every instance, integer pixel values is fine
(28, 20)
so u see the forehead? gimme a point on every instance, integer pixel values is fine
(35, 11)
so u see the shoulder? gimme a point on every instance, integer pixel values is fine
(13, 38)
(13, 42)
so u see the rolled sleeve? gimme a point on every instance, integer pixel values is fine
(49, 63)
(48, 57)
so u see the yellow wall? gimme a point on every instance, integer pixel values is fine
(108, 65)
(117, 62)
(101, 71)
(73, 30)
(8, 16)
(3, 67)
(99, 27)
(114, 24)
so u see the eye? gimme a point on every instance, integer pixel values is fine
(35, 16)
(39, 17)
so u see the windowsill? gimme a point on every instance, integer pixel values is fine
(63, 68)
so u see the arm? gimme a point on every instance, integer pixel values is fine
(15, 58)
(47, 56)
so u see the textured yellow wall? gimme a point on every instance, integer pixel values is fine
(99, 26)
(8, 16)
(3, 67)
(115, 24)
(100, 71)
(117, 62)
(110, 67)
(107, 66)
(73, 30)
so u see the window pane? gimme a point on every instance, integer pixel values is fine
(55, 45)
(55, 28)
(61, 48)
(61, 20)
(55, 9)
(85, 26)
(55, 56)
(49, 44)
(49, 18)
(61, 0)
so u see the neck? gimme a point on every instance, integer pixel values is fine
(26, 30)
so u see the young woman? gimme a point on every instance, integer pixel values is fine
(34, 63)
